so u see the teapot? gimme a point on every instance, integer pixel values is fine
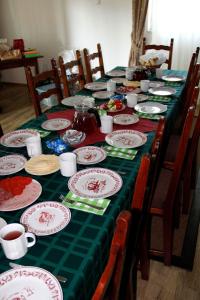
(86, 119)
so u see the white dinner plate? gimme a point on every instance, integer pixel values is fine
(126, 138)
(29, 283)
(150, 107)
(29, 195)
(102, 94)
(90, 155)
(125, 119)
(156, 84)
(118, 80)
(11, 164)
(162, 91)
(173, 78)
(116, 73)
(16, 139)
(96, 86)
(95, 183)
(46, 218)
(77, 100)
(56, 124)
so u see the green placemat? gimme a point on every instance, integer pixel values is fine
(120, 153)
(80, 203)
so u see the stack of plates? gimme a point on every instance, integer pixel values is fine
(42, 165)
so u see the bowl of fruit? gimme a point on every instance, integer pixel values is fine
(113, 105)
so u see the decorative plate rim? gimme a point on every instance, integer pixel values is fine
(66, 121)
(19, 131)
(134, 116)
(103, 152)
(9, 156)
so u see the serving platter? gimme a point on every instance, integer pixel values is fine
(162, 91)
(16, 139)
(56, 124)
(42, 165)
(126, 139)
(150, 107)
(96, 86)
(90, 155)
(29, 195)
(11, 164)
(46, 218)
(95, 183)
(29, 283)
(125, 119)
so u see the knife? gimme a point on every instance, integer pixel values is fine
(17, 266)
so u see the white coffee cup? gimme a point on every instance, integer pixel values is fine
(159, 73)
(111, 86)
(132, 99)
(68, 166)
(33, 145)
(14, 240)
(106, 124)
(144, 85)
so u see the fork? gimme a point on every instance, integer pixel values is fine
(71, 201)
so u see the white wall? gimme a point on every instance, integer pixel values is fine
(54, 25)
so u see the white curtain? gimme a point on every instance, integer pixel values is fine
(178, 19)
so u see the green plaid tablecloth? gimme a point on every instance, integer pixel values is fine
(159, 99)
(79, 251)
(148, 116)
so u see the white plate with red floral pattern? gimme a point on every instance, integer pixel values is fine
(16, 139)
(29, 283)
(46, 218)
(89, 155)
(95, 183)
(30, 194)
(11, 164)
(126, 138)
(56, 124)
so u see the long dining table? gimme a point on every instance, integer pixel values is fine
(80, 250)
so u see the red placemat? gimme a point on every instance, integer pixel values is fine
(143, 125)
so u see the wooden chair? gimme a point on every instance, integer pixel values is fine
(88, 58)
(109, 283)
(189, 172)
(36, 81)
(165, 201)
(160, 47)
(1, 131)
(74, 79)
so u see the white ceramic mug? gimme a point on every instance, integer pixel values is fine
(68, 166)
(14, 240)
(144, 85)
(111, 86)
(159, 73)
(34, 145)
(106, 124)
(131, 99)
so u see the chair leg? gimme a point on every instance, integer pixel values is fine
(167, 240)
(186, 191)
(193, 178)
(144, 257)
(177, 208)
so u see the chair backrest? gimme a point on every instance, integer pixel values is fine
(109, 282)
(34, 82)
(179, 161)
(88, 63)
(160, 47)
(68, 80)
(1, 131)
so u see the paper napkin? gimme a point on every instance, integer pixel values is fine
(103, 203)
(120, 152)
